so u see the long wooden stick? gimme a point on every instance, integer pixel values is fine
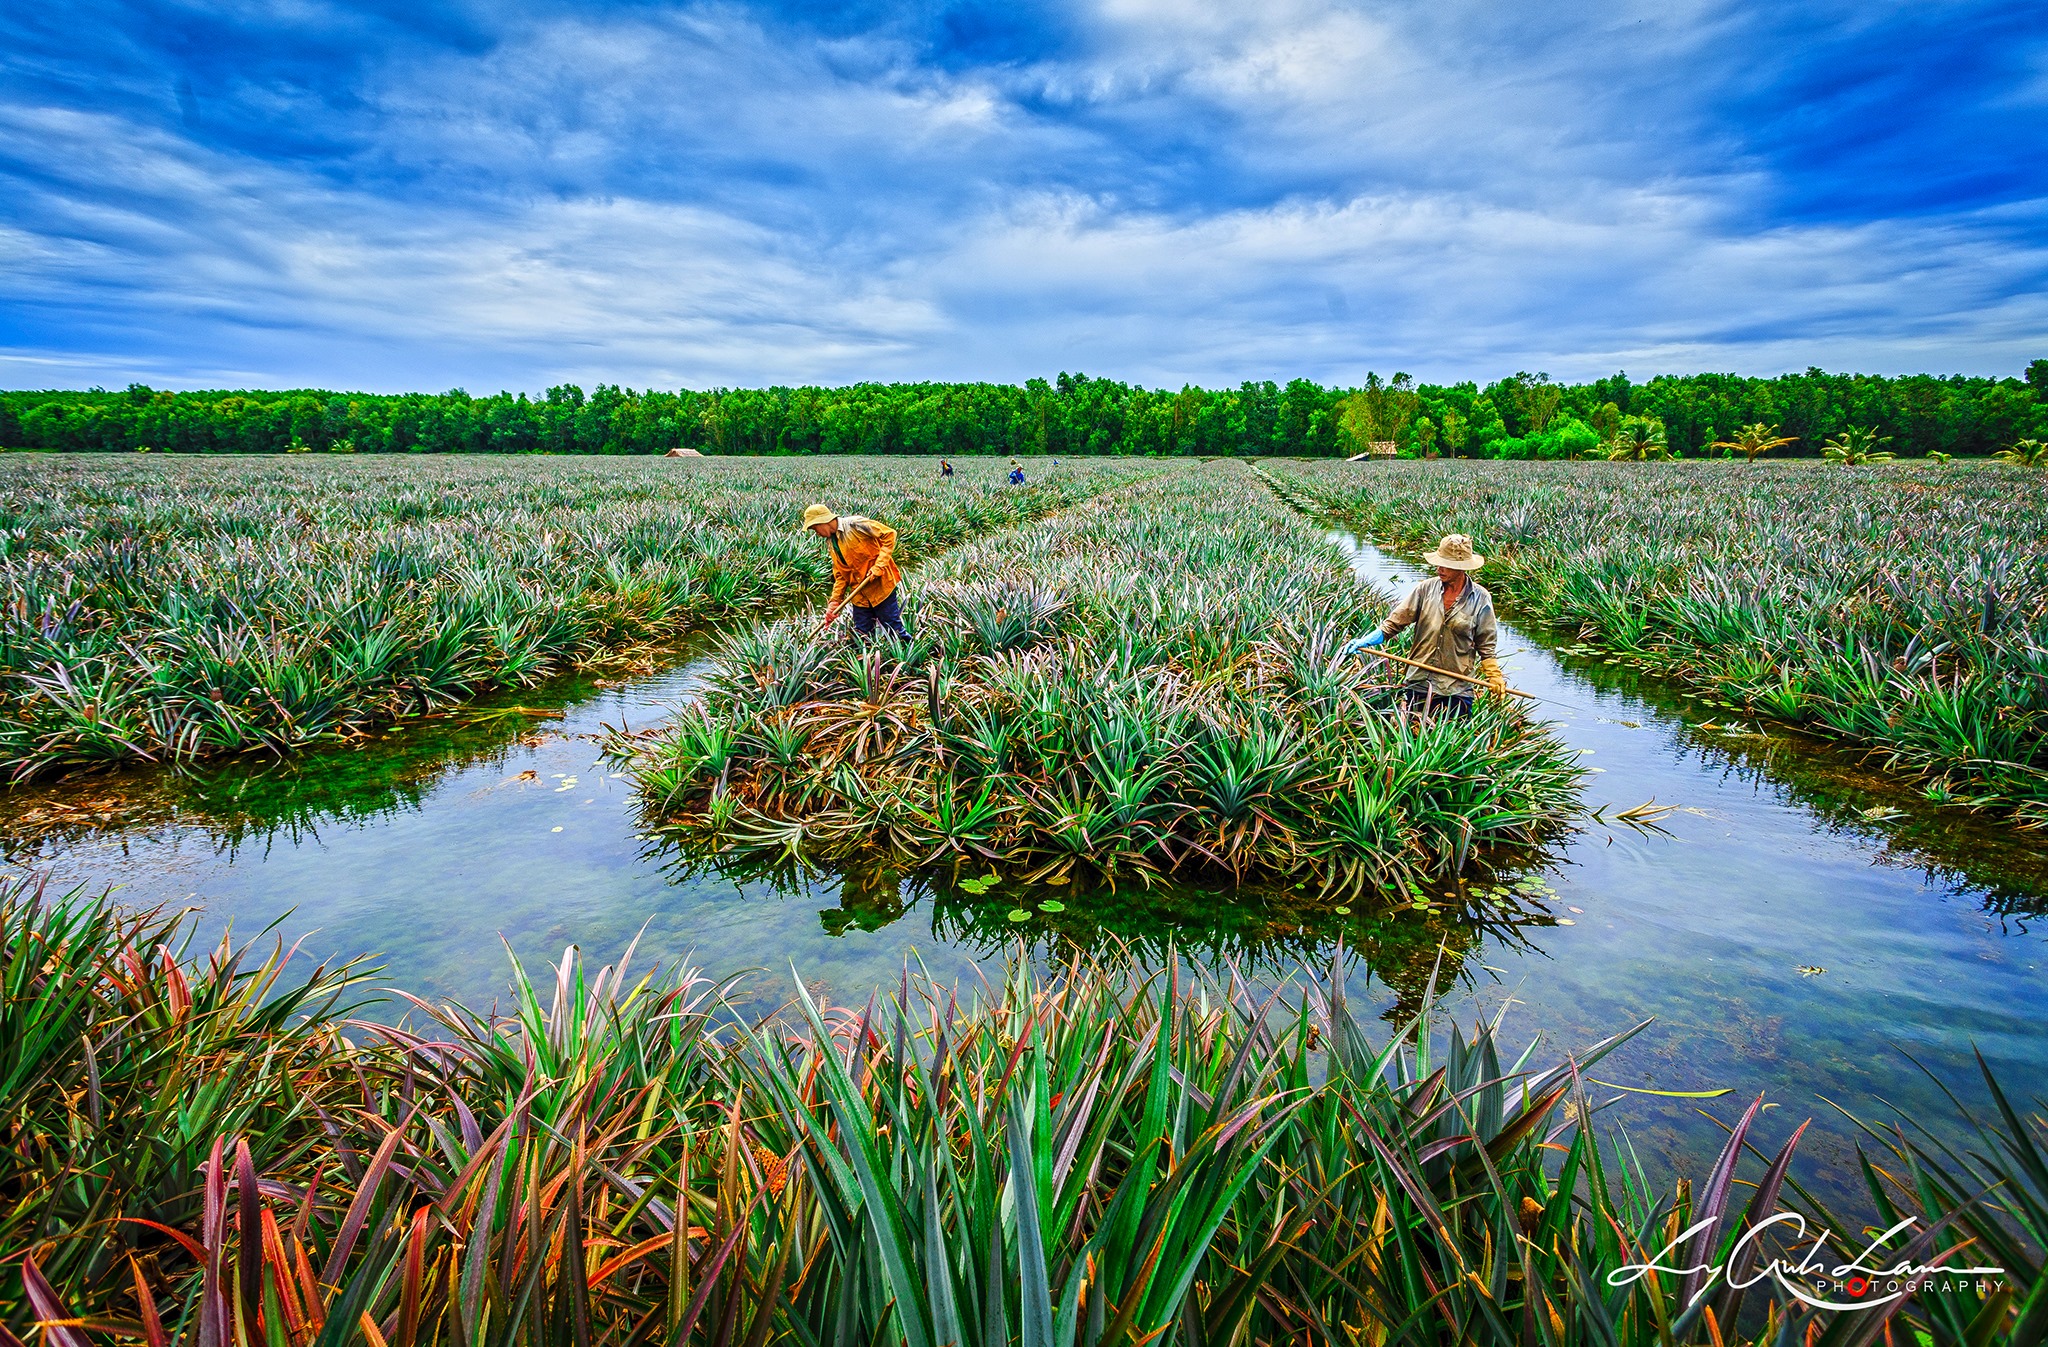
(1463, 678)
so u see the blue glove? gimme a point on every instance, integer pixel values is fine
(1378, 637)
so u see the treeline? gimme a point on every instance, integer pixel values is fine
(1522, 416)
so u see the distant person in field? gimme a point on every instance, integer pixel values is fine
(863, 570)
(1454, 630)
(1016, 477)
(945, 468)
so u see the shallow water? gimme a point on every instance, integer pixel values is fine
(429, 846)
(1925, 924)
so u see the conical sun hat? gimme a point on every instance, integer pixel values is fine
(818, 514)
(1455, 551)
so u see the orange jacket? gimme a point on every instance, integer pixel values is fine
(863, 562)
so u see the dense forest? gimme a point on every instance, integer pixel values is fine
(1522, 416)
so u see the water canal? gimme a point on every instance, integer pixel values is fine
(1796, 926)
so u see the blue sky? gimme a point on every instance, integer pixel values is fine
(420, 195)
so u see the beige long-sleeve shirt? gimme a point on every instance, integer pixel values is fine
(1455, 640)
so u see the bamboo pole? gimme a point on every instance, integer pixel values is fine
(1448, 673)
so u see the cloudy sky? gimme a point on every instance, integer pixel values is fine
(413, 194)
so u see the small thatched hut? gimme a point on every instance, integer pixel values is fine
(682, 453)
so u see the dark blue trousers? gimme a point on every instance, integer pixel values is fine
(887, 613)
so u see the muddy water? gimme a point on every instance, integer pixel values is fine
(1795, 925)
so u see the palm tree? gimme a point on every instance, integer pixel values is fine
(1638, 439)
(1857, 445)
(1753, 441)
(2025, 454)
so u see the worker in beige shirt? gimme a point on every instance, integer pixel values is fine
(1454, 629)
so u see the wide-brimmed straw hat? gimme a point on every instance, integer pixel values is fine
(1455, 551)
(815, 515)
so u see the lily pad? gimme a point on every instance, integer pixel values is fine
(1052, 905)
(1019, 914)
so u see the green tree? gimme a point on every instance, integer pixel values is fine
(1637, 440)
(1379, 413)
(1422, 437)
(1568, 437)
(1077, 414)
(1538, 401)
(1753, 441)
(1488, 426)
(1453, 432)
(1856, 445)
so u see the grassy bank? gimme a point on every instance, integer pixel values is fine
(1145, 684)
(204, 1150)
(1905, 608)
(183, 608)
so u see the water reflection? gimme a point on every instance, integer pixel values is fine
(1266, 932)
(2005, 869)
(1843, 790)
(261, 802)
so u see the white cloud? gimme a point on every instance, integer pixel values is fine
(1444, 288)
(1215, 192)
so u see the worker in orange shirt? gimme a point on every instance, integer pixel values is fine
(863, 570)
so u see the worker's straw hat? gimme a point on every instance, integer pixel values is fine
(815, 515)
(1455, 551)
